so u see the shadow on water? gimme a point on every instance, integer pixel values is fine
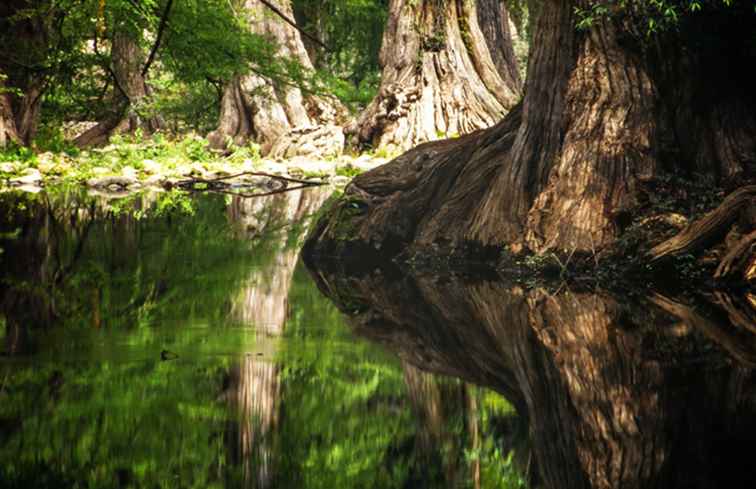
(640, 392)
(162, 341)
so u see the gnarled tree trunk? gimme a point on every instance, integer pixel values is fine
(443, 75)
(604, 111)
(254, 108)
(131, 92)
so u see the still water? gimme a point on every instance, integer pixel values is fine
(160, 341)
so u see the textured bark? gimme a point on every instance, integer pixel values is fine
(608, 405)
(494, 22)
(439, 77)
(600, 117)
(254, 108)
(131, 92)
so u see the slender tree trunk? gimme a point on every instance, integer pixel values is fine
(8, 131)
(22, 75)
(603, 113)
(440, 76)
(254, 108)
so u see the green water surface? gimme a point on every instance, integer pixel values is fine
(164, 341)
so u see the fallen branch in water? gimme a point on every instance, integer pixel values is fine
(220, 182)
(263, 194)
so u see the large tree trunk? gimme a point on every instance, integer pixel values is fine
(602, 114)
(254, 108)
(131, 92)
(441, 74)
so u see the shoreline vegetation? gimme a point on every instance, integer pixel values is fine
(132, 164)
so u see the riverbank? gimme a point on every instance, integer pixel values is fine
(133, 165)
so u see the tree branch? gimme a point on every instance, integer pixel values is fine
(294, 24)
(220, 180)
(161, 30)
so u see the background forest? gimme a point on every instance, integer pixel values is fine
(75, 73)
(69, 62)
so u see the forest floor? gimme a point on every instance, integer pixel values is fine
(129, 165)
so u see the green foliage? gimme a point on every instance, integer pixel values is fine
(14, 152)
(356, 96)
(205, 44)
(352, 31)
(650, 17)
(348, 171)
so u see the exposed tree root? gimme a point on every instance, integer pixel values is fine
(717, 331)
(740, 312)
(709, 229)
(740, 259)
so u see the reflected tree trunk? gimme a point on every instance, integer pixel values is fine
(435, 402)
(614, 397)
(473, 430)
(263, 304)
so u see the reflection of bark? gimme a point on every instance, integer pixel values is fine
(436, 404)
(614, 397)
(425, 397)
(262, 303)
(474, 434)
(255, 398)
(741, 345)
(428, 402)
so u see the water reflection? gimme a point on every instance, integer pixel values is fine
(262, 302)
(260, 383)
(632, 392)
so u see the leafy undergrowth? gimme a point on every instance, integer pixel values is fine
(140, 156)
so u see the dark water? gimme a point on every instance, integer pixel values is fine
(166, 342)
(159, 341)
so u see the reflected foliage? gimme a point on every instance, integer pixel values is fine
(135, 355)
